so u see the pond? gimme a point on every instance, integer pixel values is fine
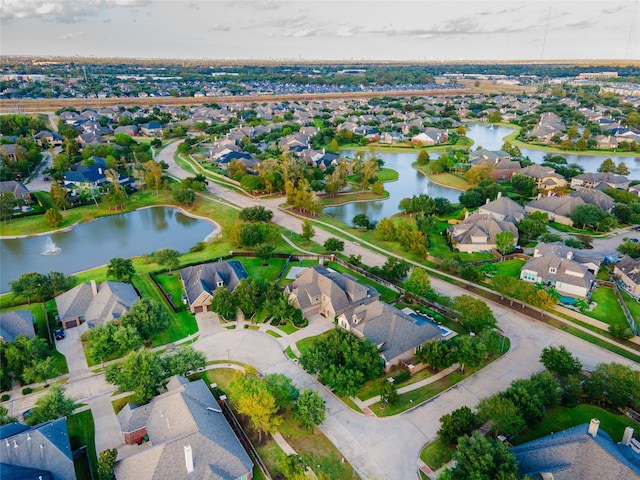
(95, 243)
(411, 182)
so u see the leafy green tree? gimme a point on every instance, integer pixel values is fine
(147, 316)
(478, 457)
(5, 419)
(529, 405)
(630, 248)
(168, 257)
(282, 388)
(59, 197)
(333, 245)
(361, 221)
(21, 354)
(386, 230)
(622, 169)
(437, 354)
(106, 464)
(127, 339)
(184, 196)
(308, 232)
(505, 415)
(51, 406)
(182, 361)
(30, 285)
(418, 283)
(264, 251)
(504, 242)
(474, 314)
(423, 157)
(621, 331)
(617, 384)
(342, 361)
(223, 303)
(141, 372)
(53, 217)
(591, 216)
(523, 184)
(468, 351)
(389, 393)
(454, 425)
(559, 360)
(532, 226)
(120, 269)
(100, 341)
(7, 204)
(40, 371)
(248, 296)
(607, 165)
(256, 214)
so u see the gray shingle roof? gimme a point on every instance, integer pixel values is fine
(43, 447)
(394, 331)
(178, 418)
(15, 323)
(504, 208)
(596, 197)
(111, 302)
(557, 205)
(205, 277)
(574, 454)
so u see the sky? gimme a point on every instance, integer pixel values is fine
(414, 30)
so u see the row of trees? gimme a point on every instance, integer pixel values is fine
(462, 349)
(265, 400)
(26, 360)
(41, 287)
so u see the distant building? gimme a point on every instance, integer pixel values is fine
(17, 188)
(600, 180)
(478, 232)
(628, 270)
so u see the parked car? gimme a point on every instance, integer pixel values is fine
(59, 334)
(633, 239)
(517, 250)
(26, 413)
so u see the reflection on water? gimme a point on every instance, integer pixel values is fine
(95, 243)
(412, 182)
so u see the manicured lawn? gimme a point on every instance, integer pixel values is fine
(355, 196)
(288, 328)
(386, 294)
(172, 285)
(387, 175)
(633, 305)
(567, 229)
(510, 268)
(446, 179)
(182, 323)
(561, 418)
(274, 334)
(219, 376)
(436, 454)
(608, 309)
(373, 388)
(120, 403)
(304, 344)
(256, 269)
(82, 433)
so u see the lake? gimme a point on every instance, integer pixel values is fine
(95, 243)
(411, 182)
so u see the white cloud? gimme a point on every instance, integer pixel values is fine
(60, 9)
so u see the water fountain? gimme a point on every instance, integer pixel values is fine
(50, 248)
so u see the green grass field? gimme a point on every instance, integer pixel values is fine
(436, 454)
(561, 418)
(510, 268)
(608, 309)
(633, 305)
(386, 294)
(82, 433)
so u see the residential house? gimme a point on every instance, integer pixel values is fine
(478, 232)
(504, 209)
(549, 125)
(41, 452)
(12, 151)
(52, 138)
(557, 266)
(398, 335)
(17, 188)
(320, 290)
(201, 281)
(581, 452)
(595, 197)
(599, 181)
(16, 323)
(189, 438)
(431, 136)
(628, 270)
(87, 176)
(131, 130)
(503, 166)
(95, 304)
(635, 189)
(559, 209)
(546, 178)
(151, 129)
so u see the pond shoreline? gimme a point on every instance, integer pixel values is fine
(216, 227)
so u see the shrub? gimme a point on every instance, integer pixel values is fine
(6, 397)
(27, 390)
(402, 377)
(198, 247)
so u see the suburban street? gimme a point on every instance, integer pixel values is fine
(377, 448)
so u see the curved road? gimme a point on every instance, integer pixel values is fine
(388, 448)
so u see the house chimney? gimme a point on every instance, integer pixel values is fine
(188, 458)
(627, 436)
(593, 427)
(94, 288)
(486, 202)
(569, 255)
(539, 196)
(499, 194)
